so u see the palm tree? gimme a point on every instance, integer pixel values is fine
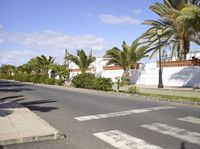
(81, 60)
(126, 58)
(177, 32)
(45, 63)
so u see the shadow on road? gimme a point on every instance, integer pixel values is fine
(35, 105)
(7, 86)
(5, 112)
(19, 101)
(10, 84)
(15, 89)
(10, 97)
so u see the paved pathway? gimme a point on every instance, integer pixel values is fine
(19, 125)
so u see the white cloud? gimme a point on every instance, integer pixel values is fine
(111, 19)
(137, 11)
(27, 45)
(51, 40)
(15, 57)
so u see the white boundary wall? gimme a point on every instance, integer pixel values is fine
(188, 76)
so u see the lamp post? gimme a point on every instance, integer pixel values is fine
(66, 61)
(66, 65)
(160, 84)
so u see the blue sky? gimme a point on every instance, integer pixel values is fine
(29, 28)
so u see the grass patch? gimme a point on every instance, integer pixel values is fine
(171, 97)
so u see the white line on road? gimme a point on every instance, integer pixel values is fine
(190, 119)
(189, 136)
(122, 113)
(122, 140)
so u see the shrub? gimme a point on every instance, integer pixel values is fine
(133, 90)
(84, 81)
(89, 81)
(34, 78)
(119, 83)
(104, 84)
(60, 82)
(7, 77)
(50, 81)
(22, 77)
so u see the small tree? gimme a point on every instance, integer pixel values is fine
(61, 71)
(126, 58)
(81, 60)
(45, 63)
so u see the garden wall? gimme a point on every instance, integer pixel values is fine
(180, 74)
(183, 76)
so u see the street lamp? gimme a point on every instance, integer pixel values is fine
(160, 84)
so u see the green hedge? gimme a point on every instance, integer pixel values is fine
(84, 81)
(33, 78)
(104, 84)
(89, 81)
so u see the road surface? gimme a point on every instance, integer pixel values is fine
(92, 121)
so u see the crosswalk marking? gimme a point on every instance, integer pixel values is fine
(190, 119)
(122, 113)
(122, 140)
(189, 136)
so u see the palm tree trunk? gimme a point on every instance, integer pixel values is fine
(184, 49)
(126, 77)
(136, 72)
(82, 70)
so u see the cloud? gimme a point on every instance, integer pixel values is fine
(52, 40)
(18, 47)
(137, 11)
(111, 19)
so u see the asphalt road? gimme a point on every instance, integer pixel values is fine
(116, 121)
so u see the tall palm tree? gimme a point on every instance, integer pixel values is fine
(81, 60)
(126, 58)
(177, 32)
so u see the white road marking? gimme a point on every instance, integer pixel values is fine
(190, 119)
(122, 140)
(122, 113)
(189, 136)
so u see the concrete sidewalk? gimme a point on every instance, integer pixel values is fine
(19, 125)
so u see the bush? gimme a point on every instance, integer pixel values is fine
(104, 84)
(133, 90)
(86, 80)
(60, 82)
(89, 81)
(50, 81)
(6, 77)
(119, 83)
(30, 78)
